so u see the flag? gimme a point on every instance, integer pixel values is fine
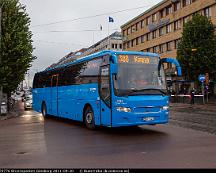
(111, 19)
(101, 28)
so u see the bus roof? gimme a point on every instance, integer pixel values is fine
(98, 54)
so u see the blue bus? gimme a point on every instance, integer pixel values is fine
(108, 88)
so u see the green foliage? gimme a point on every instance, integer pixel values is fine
(197, 49)
(16, 44)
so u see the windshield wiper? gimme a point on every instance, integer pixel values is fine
(147, 89)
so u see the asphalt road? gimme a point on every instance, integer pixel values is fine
(29, 141)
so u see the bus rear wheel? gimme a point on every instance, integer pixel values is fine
(89, 118)
(44, 110)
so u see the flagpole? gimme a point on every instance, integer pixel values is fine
(108, 37)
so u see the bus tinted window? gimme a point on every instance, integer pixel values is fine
(83, 73)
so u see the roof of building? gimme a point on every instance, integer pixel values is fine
(147, 11)
(115, 35)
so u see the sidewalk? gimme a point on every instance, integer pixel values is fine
(13, 113)
(198, 116)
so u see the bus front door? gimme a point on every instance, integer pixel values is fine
(105, 95)
(54, 95)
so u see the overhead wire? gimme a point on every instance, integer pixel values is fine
(88, 17)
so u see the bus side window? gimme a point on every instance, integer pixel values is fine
(105, 84)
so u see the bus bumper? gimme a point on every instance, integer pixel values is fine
(134, 119)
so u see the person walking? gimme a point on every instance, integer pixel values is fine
(192, 93)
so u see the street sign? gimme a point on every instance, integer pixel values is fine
(201, 78)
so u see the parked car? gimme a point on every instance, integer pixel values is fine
(25, 96)
(28, 102)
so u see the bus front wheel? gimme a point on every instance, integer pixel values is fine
(89, 118)
(44, 110)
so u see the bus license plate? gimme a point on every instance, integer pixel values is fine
(148, 119)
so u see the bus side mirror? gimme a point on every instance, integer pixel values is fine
(114, 69)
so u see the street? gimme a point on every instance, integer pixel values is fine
(29, 141)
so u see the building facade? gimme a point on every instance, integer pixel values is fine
(111, 42)
(159, 29)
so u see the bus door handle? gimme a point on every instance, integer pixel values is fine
(103, 109)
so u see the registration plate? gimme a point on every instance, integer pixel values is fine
(148, 119)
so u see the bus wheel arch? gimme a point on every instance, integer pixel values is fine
(88, 116)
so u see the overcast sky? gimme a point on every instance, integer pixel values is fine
(54, 41)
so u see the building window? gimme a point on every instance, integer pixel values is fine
(162, 13)
(177, 25)
(148, 36)
(177, 6)
(124, 46)
(128, 31)
(128, 44)
(154, 34)
(113, 46)
(137, 26)
(120, 46)
(116, 46)
(161, 31)
(186, 19)
(142, 23)
(137, 40)
(207, 12)
(133, 28)
(155, 49)
(154, 17)
(186, 2)
(132, 43)
(169, 28)
(162, 48)
(148, 50)
(169, 46)
(176, 43)
(169, 10)
(124, 32)
(148, 20)
(142, 38)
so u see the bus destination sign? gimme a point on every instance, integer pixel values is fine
(135, 59)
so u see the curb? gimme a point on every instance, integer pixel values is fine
(11, 114)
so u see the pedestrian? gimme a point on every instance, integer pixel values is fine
(192, 93)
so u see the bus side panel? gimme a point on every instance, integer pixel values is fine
(40, 95)
(46, 97)
(88, 94)
(73, 98)
(66, 101)
(36, 100)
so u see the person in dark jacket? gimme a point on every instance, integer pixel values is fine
(192, 93)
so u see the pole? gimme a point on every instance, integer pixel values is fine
(0, 60)
(108, 38)
(203, 93)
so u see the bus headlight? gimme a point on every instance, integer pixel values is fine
(165, 108)
(123, 109)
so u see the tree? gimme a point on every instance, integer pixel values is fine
(16, 45)
(197, 48)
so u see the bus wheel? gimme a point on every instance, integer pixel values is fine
(89, 118)
(44, 110)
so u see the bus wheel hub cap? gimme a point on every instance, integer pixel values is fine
(89, 118)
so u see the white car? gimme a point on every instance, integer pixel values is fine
(28, 103)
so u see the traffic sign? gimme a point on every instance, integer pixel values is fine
(201, 77)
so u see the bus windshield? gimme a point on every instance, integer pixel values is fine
(139, 75)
